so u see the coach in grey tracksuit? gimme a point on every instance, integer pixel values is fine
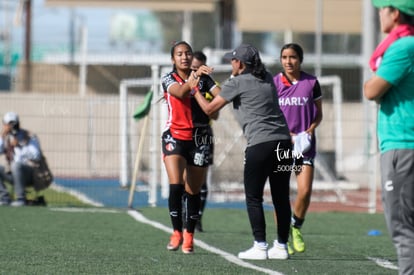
(268, 152)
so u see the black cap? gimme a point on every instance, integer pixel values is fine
(245, 53)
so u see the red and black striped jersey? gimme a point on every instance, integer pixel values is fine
(184, 114)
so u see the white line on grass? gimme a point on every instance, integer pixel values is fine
(82, 197)
(229, 257)
(89, 210)
(384, 263)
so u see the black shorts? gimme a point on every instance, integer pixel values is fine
(304, 161)
(197, 152)
(203, 136)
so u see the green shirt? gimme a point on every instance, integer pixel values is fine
(396, 113)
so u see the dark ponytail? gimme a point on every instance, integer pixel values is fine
(258, 69)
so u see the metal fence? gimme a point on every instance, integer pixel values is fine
(81, 135)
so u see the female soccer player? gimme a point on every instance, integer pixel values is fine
(300, 100)
(183, 152)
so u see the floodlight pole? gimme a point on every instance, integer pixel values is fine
(83, 64)
(187, 26)
(318, 40)
(368, 45)
(28, 46)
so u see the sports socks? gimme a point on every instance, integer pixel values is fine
(192, 206)
(297, 222)
(175, 206)
(203, 198)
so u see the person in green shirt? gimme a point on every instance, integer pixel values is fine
(392, 87)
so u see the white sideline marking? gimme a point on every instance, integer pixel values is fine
(383, 263)
(78, 195)
(89, 210)
(229, 257)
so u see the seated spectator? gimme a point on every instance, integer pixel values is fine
(21, 150)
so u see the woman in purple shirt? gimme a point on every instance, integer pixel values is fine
(300, 100)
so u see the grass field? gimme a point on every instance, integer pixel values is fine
(58, 240)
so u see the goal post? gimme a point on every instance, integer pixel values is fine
(124, 118)
(343, 144)
(336, 83)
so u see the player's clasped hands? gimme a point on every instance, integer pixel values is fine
(203, 69)
(193, 81)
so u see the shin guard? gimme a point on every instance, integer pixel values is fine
(175, 205)
(192, 209)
